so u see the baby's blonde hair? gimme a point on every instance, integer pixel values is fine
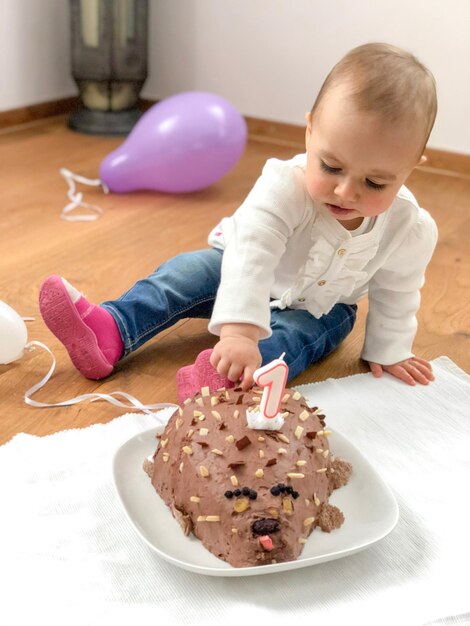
(389, 81)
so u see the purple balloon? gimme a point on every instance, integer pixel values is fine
(181, 144)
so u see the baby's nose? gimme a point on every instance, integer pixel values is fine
(347, 191)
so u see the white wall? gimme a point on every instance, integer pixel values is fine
(34, 52)
(268, 57)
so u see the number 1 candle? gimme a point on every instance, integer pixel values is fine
(272, 377)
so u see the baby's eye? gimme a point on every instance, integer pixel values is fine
(328, 169)
(376, 186)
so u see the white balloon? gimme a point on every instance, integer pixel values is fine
(13, 334)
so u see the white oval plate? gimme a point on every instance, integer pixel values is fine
(369, 507)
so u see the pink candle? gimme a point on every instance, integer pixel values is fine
(272, 377)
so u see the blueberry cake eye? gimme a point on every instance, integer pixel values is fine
(246, 491)
(276, 490)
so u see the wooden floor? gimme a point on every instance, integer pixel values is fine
(139, 231)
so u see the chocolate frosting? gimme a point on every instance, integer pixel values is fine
(251, 496)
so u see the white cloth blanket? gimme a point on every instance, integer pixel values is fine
(68, 554)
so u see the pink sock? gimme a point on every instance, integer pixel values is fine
(103, 324)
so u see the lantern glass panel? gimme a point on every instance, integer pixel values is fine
(109, 63)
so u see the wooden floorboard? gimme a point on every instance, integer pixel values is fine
(140, 230)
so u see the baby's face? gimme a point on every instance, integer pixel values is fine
(356, 160)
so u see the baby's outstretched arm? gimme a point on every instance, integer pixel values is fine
(237, 353)
(410, 370)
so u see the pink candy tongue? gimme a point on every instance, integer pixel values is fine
(266, 542)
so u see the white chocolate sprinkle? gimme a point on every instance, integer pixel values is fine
(322, 470)
(205, 392)
(283, 438)
(187, 450)
(203, 471)
(214, 400)
(296, 395)
(195, 499)
(301, 462)
(295, 475)
(286, 397)
(259, 473)
(200, 401)
(203, 431)
(217, 415)
(308, 521)
(217, 451)
(282, 451)
(234, 481)
(298, 432)
(304, 415)
(229, 439)
(179, 422)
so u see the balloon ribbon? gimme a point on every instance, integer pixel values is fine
(76, 199)
(112, 398)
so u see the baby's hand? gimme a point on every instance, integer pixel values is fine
(237, 354)
(410, 371)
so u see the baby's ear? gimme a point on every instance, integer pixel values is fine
(308, 129)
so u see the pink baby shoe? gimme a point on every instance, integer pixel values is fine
(88, 332)
(191, 378)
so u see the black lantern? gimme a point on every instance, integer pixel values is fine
(109, 63)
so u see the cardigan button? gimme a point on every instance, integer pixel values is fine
(301, 300)
(321, 283)
(342, 251)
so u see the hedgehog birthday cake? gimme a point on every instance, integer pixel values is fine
(251, 495)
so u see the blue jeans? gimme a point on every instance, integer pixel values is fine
(186, 286)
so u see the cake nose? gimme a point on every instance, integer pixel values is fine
(265, 526)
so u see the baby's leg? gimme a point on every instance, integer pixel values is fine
(304, 338)
(184, 286)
